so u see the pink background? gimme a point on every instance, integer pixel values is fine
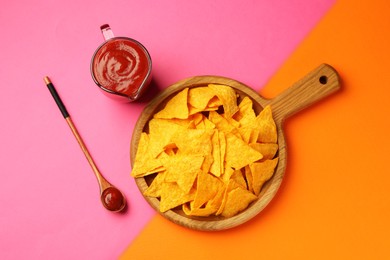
(49, 196)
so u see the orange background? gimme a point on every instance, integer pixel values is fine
(334, 201)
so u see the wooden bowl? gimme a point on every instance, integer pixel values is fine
(314, 86)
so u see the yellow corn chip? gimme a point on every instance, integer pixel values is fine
(248, 178)
(211, 206)
(222, 123)
(216, 202)
(238, 153)
(154, 190)
(262, 172)
(254, 136)
(200, 97)
(237, 200)
(231, 121)
(193, 141)
(186, 123)
(200, 212)
(144, 163)
(183, 170)
(268, 150)
(160, 133)
(222, 148)
(172, 196)
(205, 124)
(227, 188)
(245, 113)
(228, 97)
(246, 134)
(206, 189)
(215, 167)
(227, 175)
(238, 177)
(193, 110)
(214, 103)
(267, 126)
(176, 107)
(208, 160)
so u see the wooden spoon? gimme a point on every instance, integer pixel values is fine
(111, 198)
(315, 86)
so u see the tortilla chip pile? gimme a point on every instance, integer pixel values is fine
(210, 155)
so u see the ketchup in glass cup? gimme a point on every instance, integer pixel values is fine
(121, 66)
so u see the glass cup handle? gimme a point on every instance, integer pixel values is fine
(106, 31)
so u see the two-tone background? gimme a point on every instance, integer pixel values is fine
(334, 201)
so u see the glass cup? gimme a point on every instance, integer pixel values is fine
(121, 67)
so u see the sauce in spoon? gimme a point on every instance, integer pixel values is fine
(113, 199)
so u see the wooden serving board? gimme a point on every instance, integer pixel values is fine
(315, 86)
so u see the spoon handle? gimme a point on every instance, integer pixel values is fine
(56, 97)
(103, 183)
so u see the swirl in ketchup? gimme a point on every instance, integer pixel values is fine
(121, 65)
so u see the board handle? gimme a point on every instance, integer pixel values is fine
(315, 86)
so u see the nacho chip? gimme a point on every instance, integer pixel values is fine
(248, 178)
(211, 206)
(193, 141)
(200, 212)
(254, 136)
(227, 188)
(246, 134)
(204, 123)
(145, 163)
(160, 133)
(208, 160)
(231, 121)
(214, 103)
(245, 113)
(172, 196)
(222, 148)
(176, 107)
(206, 189)
(193, 110)
(228, 97)
(222, 123)
(227, 175)
(268, 150)
(208, 124)
(154, 190)
(216, 202)
(238, 177)
(262, 172)
(186, 123)
(238, 153)
(267, 126)
(183, 169)
(237, 200)
(215, 167)
(200, 97)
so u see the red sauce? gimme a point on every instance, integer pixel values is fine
(113, 199)
(121, 65)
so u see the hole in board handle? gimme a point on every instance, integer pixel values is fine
(323, 80)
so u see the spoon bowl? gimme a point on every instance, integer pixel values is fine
(113, 199)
